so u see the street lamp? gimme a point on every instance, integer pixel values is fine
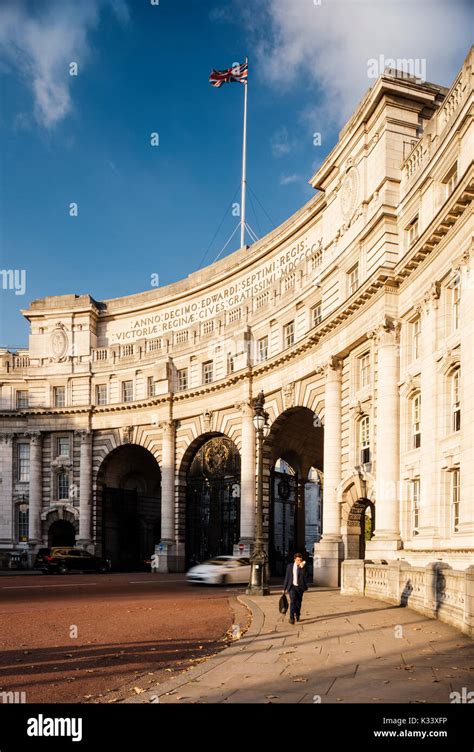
(258, 584)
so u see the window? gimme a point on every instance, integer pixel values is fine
(230, 363)
(364, 370)
(456, 302)
(455, 498)
(59, 396)
(63, 485)
(262, 299)
(416, 417)
(23, 462)
(316, 260)
(182, 379)
(150, 386)
(101, 394)
(22, 399)
(416, 338)
(316, 314)
(353, 279)
(208, 327)
(289, 281)
(450, 180)
(207, 372)
(262, 349)
(154, 344)
(364, 429)
(456, 400)
(235, 315)
(412, 231)
(182, 337)
(415, 505)
(22, 522)
(63, 446)
(289, 334)
(127, 391)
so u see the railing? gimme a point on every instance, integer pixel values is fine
(435, 590)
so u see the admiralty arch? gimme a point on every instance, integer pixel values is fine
(127, 424)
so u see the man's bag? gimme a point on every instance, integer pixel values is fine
(283, 604)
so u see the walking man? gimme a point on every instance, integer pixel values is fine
(295, 585)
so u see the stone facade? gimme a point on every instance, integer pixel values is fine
(355, 317)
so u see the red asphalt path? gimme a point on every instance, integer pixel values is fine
(132, 631)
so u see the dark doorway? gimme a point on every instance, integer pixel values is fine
(130, 517)
(284, 487)
(130, 529)
(61, 533)
(213, 501)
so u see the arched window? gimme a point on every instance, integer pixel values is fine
(364, 439)
(416, 420)
(456, 400)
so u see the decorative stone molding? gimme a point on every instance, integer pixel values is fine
(207, 421)
(450, 360)
(6, 438)
(34, 437)
(411, 386)
(244, 408)
(429, 300)
(59, 344)
(288, 396)
(349, 193)
(84, 434)
(333, 366)
(386, 333)
(127, 434)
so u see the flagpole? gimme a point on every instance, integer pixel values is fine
(244, 165)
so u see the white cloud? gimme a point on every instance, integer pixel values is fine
(329, 45)
(280, 142)
(40, 46)
(288, 179)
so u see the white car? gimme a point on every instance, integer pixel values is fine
(222, 570)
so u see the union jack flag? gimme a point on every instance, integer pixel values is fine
(238, 72)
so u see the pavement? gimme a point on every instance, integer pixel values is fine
(345, 649)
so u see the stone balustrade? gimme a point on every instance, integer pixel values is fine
(435, 590)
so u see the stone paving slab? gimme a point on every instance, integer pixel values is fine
(345, 649)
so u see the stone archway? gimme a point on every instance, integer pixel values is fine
(357, 515)
(61, 526)
(209, 497)
(129, 506)
(297, 440)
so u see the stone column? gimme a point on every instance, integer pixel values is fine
(387, 447)
(429, 522)
(167, 496)
(329, 550)
(85, 489)
(7, 509)
(466, 508)
(247, 475)
(36, 488)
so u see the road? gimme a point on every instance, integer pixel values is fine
(100, 638)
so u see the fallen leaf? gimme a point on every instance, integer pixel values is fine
(138, 690)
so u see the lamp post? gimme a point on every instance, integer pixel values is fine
(258, 584)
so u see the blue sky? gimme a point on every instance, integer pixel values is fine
(144, 68)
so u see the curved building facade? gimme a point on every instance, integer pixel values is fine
(127, 423)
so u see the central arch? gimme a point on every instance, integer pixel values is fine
(212, 499)
(293, 475)
(129, 507)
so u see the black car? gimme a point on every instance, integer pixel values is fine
(61, 560)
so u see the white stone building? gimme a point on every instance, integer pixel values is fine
(128, 422)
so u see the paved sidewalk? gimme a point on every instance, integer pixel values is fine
(345, 649)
